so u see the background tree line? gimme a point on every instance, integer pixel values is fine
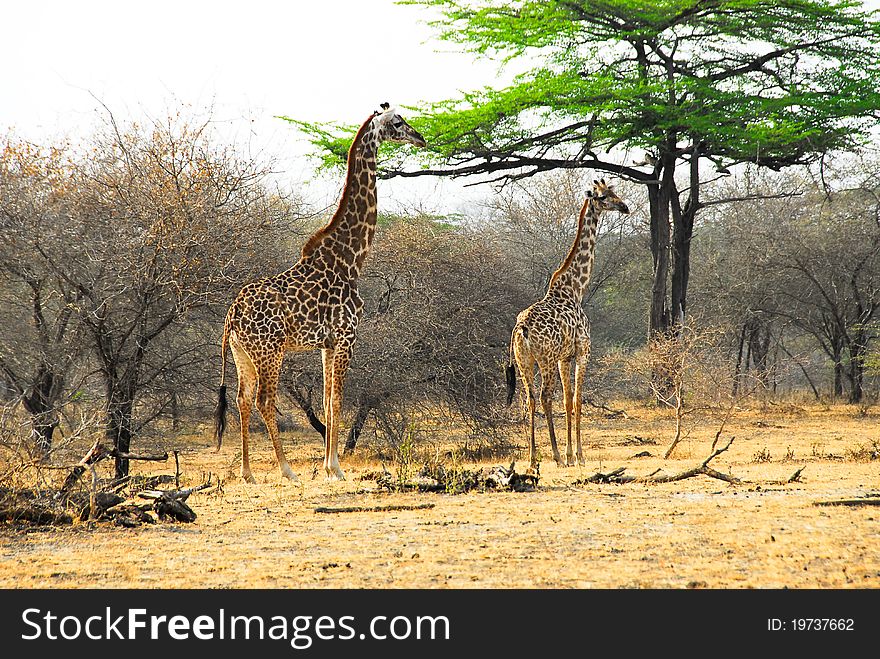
(120, 255)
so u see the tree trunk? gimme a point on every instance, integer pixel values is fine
(838, 372)
(759, 348)
(360, 418)
(120, 406)
(658, 199)
(305, 404)
(739, 360)
(856, 373)
(660, 321)
(42, 404)
(683, 231)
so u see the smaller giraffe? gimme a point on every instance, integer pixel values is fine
(554, 332)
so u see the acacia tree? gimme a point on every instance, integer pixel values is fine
(697, 86)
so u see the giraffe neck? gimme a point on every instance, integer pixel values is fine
(344, 242)
(573, 276)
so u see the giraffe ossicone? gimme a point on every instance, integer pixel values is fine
(554, 333)
(314, 305)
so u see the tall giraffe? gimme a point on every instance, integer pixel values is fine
(313, 305)
(554, 332)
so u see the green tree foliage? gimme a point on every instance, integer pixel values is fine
(699, 85)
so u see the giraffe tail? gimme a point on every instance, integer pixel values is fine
(510, 371)
(222, 403)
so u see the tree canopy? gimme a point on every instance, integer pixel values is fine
(642, 90)
(774, 83)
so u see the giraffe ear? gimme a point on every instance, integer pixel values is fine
(385, 106)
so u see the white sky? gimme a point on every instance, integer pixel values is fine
(320, 60)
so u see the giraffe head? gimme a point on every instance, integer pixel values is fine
(392, 128)
(606, 197)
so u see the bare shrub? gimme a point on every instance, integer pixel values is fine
(688, 374)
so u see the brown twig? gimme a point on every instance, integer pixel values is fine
(373, 509)
(176, 469)
(874, 501)
(610, 411)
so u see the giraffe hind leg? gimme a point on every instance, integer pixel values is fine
(247, 384)
(526, 366)
(548, 387)
(267, 389)
(579, 373)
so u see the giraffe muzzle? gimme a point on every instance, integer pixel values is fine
(418, 140)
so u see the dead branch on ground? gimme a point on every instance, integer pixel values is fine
(853, 503)
(794, 478)
(373, 509)
(610, 412)
(94, 455)
(617, 476)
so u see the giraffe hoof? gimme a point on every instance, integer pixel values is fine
(335, 474)
(248, 478)
(287, 472)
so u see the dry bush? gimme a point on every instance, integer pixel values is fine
(690, 375)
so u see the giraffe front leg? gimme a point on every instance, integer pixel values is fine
(327, 367)
(565, 377)
(341, 360)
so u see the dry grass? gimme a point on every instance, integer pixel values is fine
(696, 532)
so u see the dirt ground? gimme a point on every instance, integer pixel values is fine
(695, 533)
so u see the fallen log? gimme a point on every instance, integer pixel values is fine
(171, 503)
(99, 504)
(34, 515)
(96, 453)
(506, 478)
(437, 477)
(129, 515)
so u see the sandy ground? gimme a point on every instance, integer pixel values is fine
(698, 532)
